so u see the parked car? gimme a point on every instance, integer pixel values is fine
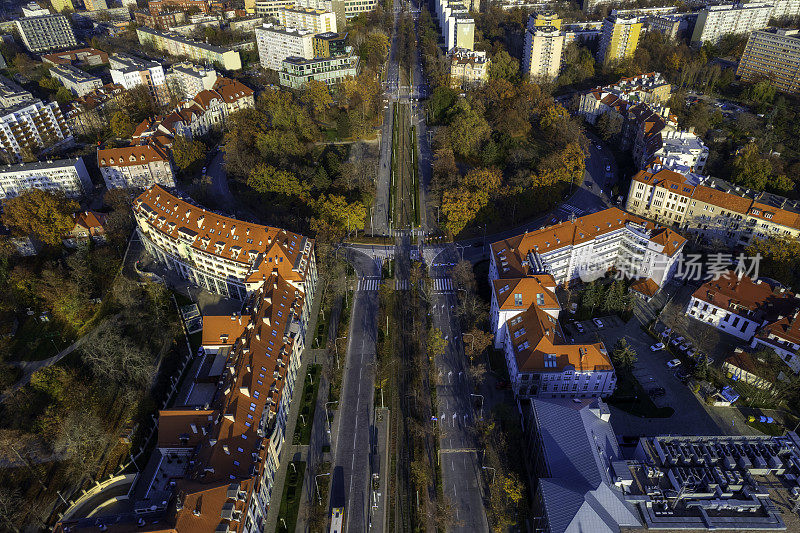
(666, 332)
(608, 168)
(579, 327)
(673, 363)
(573, 308)
(691, 352)
(684, 347)
(677, 340)
(682, 375)
(598, 322)
(657, 346)
(204, 170)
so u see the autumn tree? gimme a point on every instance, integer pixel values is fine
(436, 345)
(504, 67)
(267, 179)
(461, 206)
(750, 169)
(188, 153)
(317, 95)
(610, 126)
(468, 129)
(121, 125)
(40, 214)
(336, 211)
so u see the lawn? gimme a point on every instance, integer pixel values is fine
(308, 405)
(292, 492)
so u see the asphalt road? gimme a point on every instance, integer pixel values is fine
(460, 466)
(353, 433)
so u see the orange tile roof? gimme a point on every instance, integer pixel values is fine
(91, 221)
(731, 202)
(208, 505)
(130, 156)
(222, 330)
(537, 335)
(734, 293)
(786, 328)
(232, 90)
(647, 287)
(268, 250)
(664, 177)
(529, 287)
(175, 427)
(775, 215)
(510, 253)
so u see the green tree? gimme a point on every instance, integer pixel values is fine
(623, 356)
(616, 300)
(750, 169)
(188, 153)
(504, 67)
(592, 296)
(40, 214)
(317, 95)
(610, 126)
(64, 95)
(121, 125)
(468, 129)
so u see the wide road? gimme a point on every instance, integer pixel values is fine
(459, 462)
(353, 433)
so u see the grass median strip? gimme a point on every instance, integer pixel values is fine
(290, 501)
(308, 405)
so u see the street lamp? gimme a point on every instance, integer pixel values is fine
(316, 483)
(336, 348)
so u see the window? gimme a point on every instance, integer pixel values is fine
(518, 299)
(539, 298)
(550, 360)
(523, 346)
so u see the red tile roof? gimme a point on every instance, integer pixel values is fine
(740, 293)
(130, 156)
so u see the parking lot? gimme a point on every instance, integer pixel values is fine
(690, 416)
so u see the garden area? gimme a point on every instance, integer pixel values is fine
(290, 499)
(308, 406)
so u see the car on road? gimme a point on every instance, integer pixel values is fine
(589, 184)
(657, 346)
(598, 322)
(673, 363)
(608, 168)
(599, 146)
(579, 327)
(204, 170)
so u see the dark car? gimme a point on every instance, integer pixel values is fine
(682, 375)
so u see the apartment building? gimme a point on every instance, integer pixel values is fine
(329, 44)
(512, 296)
(46, 32)
(163, 20)
(157, 6)
(131, 72)
(12, 94)
(296, 72)
(782, 9)
(620, 37)
(68, 176)
(221, 254)
(276, 43)
(62, 5)
(739, 305)
(543, 364)
(195, 117)
(79, 83)
(353, 8)
(267, 8)
(185, 80)
(82, 56)
(95, 5)
(136, 166)
(458, 27)
(32, 125)
(304, 18)
(468, 68)
(772, 54)
(714, 22)
(680, 150)
(711, 208)
(645, 88)
(178, 45)
(589, 246)
(218, 453)
(669, 24)
(542, 55)
(32, 9)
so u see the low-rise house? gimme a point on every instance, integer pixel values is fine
(738, 305)
(79, 83)
(87, 226)
(83, 56)
(645, 88)
(90, 113)
(136, 166)
(468, 67)
(782, 336)
(742, 366)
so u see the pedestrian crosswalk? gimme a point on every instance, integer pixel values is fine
(401, 285)
(442, 285)
(369, 284)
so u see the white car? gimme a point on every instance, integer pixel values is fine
(657, 346)
(608, 168)
(666, 332)
(673, 363)
(597, 322)
(579, 326)
(677, 340)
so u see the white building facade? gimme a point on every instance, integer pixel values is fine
(276, 43)
(714, 22)
(68, 176)
(135, 167)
